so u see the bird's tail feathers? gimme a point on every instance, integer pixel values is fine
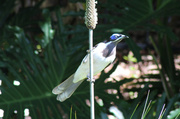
(63, 86)
(68, 92)
(66, 88)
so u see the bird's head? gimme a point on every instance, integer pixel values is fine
(117, 37)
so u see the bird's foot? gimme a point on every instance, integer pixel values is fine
(88, 51)
(90, 80)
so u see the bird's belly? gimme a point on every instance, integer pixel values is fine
(99, 63)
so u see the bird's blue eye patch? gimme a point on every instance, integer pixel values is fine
(115, 36)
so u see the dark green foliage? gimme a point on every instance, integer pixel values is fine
(40, 51)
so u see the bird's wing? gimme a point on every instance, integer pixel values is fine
(85, 59)
(83, 70)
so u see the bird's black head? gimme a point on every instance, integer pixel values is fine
(117, 37)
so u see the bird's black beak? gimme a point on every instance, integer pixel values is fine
(121, 37)
(126, 36)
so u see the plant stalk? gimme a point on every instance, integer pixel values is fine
(91, 73)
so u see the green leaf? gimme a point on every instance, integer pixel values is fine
(46, 28)
(174, 114)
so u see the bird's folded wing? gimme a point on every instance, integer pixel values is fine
(85, 59)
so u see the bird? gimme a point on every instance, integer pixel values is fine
(104, 53)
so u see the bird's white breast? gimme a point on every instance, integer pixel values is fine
(99, 63)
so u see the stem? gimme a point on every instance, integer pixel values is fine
(91, 73)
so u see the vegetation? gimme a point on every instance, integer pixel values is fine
(42, 43)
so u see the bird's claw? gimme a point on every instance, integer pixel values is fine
(88, 51)
(90, 80)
